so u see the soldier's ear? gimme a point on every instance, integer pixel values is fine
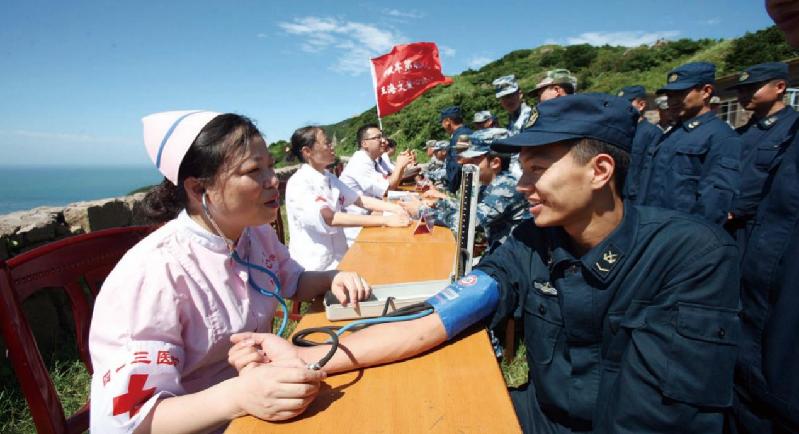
(603, 167)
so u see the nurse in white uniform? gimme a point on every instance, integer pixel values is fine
(315, 202)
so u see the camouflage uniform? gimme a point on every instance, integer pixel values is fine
(499, 209)
(435, 171)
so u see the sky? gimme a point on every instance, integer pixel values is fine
(76, 77)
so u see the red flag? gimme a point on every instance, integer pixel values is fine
(405, 73)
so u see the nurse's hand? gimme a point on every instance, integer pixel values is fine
(251, 349)
(397, 220)
(349, 287)
(273, 392)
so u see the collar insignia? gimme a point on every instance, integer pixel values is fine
(769, 121)
(693, 124)
(609, 259)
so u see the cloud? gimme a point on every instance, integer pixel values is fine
(403, 14)
(446, 51)
(261, 36)
(631, 38)
(712, 21)
(354, 42)
(478, 62)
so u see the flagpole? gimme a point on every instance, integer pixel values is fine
(377, 103)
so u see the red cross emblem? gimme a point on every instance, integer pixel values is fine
(136, 396)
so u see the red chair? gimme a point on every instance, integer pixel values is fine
(280, 230)
(74, 263)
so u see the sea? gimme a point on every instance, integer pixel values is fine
(26, 187)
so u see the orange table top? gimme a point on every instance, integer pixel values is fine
(455, 388)
(439, 234)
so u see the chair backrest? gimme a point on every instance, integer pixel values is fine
(76, 264)
(278, 225)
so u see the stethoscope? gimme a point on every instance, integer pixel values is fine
(408, 313)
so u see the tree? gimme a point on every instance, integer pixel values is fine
(767, 45)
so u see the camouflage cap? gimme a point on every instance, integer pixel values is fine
(557, 76)
(505, 85)
(480, 141)
(430, 143)
(441, 145)
(662, 102)
(482, 116)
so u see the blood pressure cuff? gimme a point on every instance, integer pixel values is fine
(466, 301)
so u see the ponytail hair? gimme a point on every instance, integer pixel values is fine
(302, 137)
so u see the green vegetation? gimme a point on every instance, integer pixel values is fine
(765, 45)
(599, 69)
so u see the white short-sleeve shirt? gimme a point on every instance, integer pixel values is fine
(162, 322)
(363, 175)
(316, 245)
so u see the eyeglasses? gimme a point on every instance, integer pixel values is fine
(378, 137)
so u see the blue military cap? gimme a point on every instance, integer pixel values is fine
(505, 85)
(480, 141)
(762, 72)
(588, 115)
(450, 112)
(690, 75)
(632, 92)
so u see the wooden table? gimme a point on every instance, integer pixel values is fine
(439, 235)
(455, 388)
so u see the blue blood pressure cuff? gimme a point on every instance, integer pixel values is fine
(466, 301)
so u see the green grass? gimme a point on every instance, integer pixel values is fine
(70, 379)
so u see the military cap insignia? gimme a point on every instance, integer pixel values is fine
(621, 93)
(744, 75)
(531, 121)
(673, 77)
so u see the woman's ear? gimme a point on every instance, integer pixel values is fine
(305, 151)
(194, 189)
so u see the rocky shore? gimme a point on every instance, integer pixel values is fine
(24, 230)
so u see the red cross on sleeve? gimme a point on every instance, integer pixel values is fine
(132, 401)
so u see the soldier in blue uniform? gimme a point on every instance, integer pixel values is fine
(695, 166)
(761, 89)
(646, 135)
(451, 120)
(766, 377)
(630, 313)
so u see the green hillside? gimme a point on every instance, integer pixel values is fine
(599, 69)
